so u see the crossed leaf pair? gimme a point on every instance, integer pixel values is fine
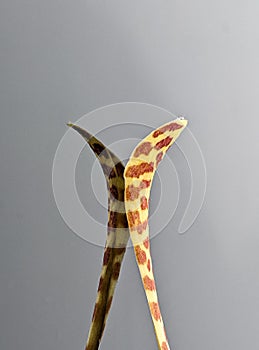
(128, 200)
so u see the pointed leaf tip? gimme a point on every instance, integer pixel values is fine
(70, 124)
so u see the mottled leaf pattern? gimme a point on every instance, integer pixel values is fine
(139, 173)
(117, 235)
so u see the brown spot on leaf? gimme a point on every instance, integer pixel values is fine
(112, 219)
(155, 311)
(170, 127)
(164, 346)
(112, 173)
(119, 169)
(107, 255)
(142, 227)
(145, 184)
(132, 192)
(163, 143)
(148, 265)
(119, 251)
(144, 148)
(98, 148)
(146, 243)
(140, 255)
(114, 192)
(157, 133)
(159, 158)
(116, 270)
(143, 203)
(140, 169)
(134, 219)
(149, 284)
(135, 223)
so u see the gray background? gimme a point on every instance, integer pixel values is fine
(61, 59)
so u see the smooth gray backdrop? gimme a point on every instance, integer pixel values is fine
(62, 59)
